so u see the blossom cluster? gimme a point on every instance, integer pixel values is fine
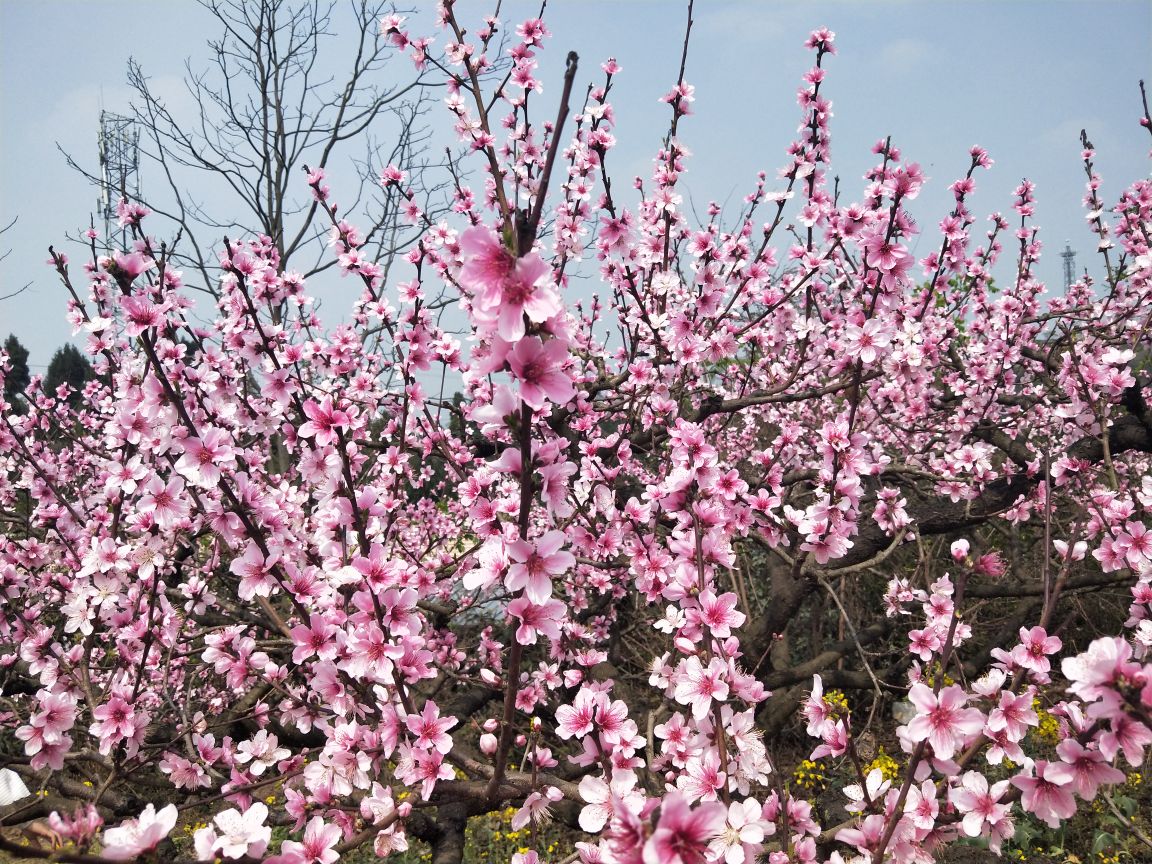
(266, 566)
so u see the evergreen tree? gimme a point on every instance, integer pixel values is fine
(16, 381)
(69, 367)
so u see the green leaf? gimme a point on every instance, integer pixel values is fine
(1103, 841)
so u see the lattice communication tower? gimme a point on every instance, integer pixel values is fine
(119, 169)
(1069, 265)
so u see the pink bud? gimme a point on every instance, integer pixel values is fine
(491, 724)
(990, 564)
(488, 743)
(404, 809)
(960, 550)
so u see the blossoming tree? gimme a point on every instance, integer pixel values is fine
(260, 575)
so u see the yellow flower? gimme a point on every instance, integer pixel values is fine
(809, 776)
(889, 767)
(836, 699)
(1049, 728)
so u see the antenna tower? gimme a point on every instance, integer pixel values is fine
(119, 169)
(1069, 265)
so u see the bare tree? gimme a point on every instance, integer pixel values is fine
(4, 255)
(283, 91)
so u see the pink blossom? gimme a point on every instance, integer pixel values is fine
(487, 261)
(1093, 672)
(682, 834)
(815, 709)
(537, 366)
(544, 619)
(579, 718)
(165, 501)
(863, 341)
(983, 814)
(942, 720)
(430, 729)
(261, 751)
(130, 264)
(535, 563)
(240, 834)
(1013, 715)
(137, 836)
(535, 808)
(704, 778)
(743, 835)
(1047, 794)
(1083, 769)
(700, 685)
(204, 456)
(324, 421)
(719, 614)
(316, 848)
(1035, 645)
(1124, 734)
(921, 805)
(602, 799)
(505, 290)
(56, 716)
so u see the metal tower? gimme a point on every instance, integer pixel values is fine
(1069, 265)
(119, 169)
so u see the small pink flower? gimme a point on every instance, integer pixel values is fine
(324, 419)
(1048, 794)
(534, 565)
(136, 836)
(430, 729)
(718, 613)
(536, 619)
(535, 807)
(1083, 769)
(1013, 715)
(241, 834)
(261, 751)
(505, 289)
(578, 719)
(316, 848)
(864, 341)
(921, 805)
(699, 685)
(682, 834)
(1034, 648)
(131, 264)
(56, 716)
(942, 720)
(815, 709)
(538, 368)
(983, 812)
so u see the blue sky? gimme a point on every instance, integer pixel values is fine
(1019, 78)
